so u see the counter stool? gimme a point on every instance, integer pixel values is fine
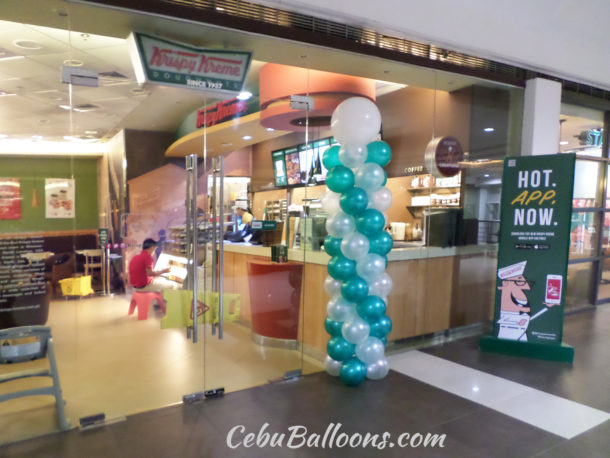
(143, 299)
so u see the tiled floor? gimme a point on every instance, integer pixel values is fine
(396, 405)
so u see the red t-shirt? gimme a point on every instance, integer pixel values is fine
(137, 269)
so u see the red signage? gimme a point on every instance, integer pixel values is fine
(222, 111)
(10, 198)
(443, 156)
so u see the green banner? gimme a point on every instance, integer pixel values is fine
(533, 251)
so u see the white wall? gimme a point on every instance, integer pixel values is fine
(564, 38)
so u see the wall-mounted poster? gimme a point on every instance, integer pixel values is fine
(10, 198)
(59, 197)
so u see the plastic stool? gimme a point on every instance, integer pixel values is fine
(143, 300)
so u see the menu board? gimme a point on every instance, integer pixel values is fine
(279, 167)
(293, 166)
(299, 164)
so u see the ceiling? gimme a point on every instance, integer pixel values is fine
(40, 37)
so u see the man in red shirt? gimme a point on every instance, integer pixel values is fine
(141, 274)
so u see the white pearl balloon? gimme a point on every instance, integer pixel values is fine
(355, 246)
(377, 370)
(352, 156)
(370, 350)
(355, 330)
(370, 266)
(331, 202)
(355, 120)
(381, 285)
(340, 224)
(333, 367)
(340, 309)
(381, 199)
(332, 286)
(369, 176)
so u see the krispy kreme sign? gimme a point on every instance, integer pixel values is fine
(164, 62)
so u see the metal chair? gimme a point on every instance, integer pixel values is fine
(28, 343)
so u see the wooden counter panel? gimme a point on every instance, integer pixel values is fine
(474, 289)
(313, 308)
(436, 283)
(236, 280)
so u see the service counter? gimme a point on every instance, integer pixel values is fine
(434, 288)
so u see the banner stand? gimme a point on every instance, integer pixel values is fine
(533, 249)
(549, 352)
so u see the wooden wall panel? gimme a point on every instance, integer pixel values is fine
(313, 308)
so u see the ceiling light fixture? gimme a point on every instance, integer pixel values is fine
(270, 129)
(73, 63)
(489, 129)
(245, 95)
(247, 137)
(27, 44)
(486, 175)
(564, 142)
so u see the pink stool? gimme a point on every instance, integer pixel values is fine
(143, 300)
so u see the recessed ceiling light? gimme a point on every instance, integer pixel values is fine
(245, 95)
(247, 137)
(270, 129)
(486, 175)
(564, 142)
(91, 132)
(219, 8)
(489, 129)
(65, 107)
(27, 44)
(73, 63)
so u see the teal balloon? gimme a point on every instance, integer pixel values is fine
(355, 289)
(370, 222)
(340, 349)
(353, 372)
(384, 340)
(341, 268)
(332, 245)
(379, 152)
(354, 201)
(371, 308)
(385, 178)
(330, 158)
(380, 243)
(381, 327)
(333, 327)
(340, 179)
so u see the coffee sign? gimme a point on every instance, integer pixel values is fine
(443, 156)
(164, 62)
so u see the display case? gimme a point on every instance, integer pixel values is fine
(428, 192)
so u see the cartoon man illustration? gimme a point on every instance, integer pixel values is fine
(514, 304)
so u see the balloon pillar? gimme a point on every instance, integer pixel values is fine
(358, 244)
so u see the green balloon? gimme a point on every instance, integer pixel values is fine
(385, 178)
(330, 158)
(354, 201)
(340, 349)
(370, 222)
(381, 327)
(371, 308)
(340, 179)
(379, 152)
(353, 372)
(355, 288)
(380, 243)
(333, 327)
(332, 245)
(341, 268)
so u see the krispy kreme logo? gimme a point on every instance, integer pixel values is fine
(193, 63)
(222, 111)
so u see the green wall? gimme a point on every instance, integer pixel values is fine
(32, 172)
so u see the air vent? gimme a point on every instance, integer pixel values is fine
(114, 76)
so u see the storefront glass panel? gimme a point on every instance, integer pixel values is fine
(580, 283)
(583, 234)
